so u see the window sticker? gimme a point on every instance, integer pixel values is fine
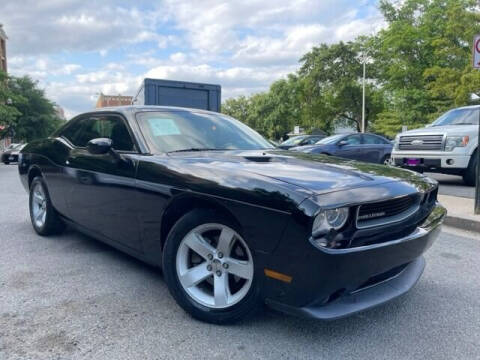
(163, 127)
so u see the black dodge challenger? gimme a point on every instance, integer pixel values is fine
(233, 222)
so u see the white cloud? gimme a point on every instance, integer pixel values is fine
(42, 27)
(234, 81)
(242, 45)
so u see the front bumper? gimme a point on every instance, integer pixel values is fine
(333, 283)
(432, 160)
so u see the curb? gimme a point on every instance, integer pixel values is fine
(462, 223)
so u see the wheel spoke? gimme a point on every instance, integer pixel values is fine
(220, 289)
(195, 275)
(225, 241)
(38, 198)
(240, 268)
(198, 244)
(39, 216)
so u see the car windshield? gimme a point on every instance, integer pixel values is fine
(330, 140)
(195, 131)
(466, 116)
(294, 140)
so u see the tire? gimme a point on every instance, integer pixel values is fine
(45, 219)
(470, 174)
(387, 160)
(198, 295)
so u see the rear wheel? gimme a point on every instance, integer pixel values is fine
(209, 268)
(470, 174)
(45, 219)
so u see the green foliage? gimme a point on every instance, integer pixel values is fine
(418, 66)
(8, 113)
(30, 115)
(424, 58)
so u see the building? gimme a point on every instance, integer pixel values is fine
(113, 100)
(3, 49)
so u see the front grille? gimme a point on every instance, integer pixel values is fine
(382, 212)
(421, 142)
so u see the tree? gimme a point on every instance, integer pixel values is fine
(35, 114)
(8, 113)
(419, 66)
(333, 74)
(424, 59)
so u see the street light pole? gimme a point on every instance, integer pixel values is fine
(363, 96)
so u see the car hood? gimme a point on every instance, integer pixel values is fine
(441, 130)
(315, 173)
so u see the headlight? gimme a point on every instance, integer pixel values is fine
(329, 219)
(455, 141)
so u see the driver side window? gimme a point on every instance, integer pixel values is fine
(82, 131)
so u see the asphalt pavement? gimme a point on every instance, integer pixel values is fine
(453, 185)
(71, 297)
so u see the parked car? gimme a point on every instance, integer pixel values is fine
(449, 145)
(11, 153)
(232, 221)
(363, 147)
(300, 140)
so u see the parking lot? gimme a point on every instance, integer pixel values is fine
(71, 297)
(453, 185)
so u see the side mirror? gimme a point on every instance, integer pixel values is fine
(342, 143)
(99, 146)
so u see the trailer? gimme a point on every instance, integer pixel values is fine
(179, 93)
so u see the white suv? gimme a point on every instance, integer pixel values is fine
(448, 145)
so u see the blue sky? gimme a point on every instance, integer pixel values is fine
(76, 49)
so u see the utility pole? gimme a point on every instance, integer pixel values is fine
(363, 95)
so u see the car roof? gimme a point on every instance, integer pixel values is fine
(466, 107)
(141, 108)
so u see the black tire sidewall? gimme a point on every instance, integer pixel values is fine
(471, 172)
(218, 316)
(52, 223)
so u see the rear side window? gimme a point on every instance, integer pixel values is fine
(89, 128)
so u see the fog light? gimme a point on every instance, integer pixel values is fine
(450, 161)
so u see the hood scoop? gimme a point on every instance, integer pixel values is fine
(259, 158)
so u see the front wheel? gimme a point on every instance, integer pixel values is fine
(471, 172)
(209, 268)
(45, 219)
(387, 160)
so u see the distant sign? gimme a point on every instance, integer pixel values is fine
(296, 130)
(476, 51)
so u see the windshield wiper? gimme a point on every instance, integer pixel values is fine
(193, 149)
